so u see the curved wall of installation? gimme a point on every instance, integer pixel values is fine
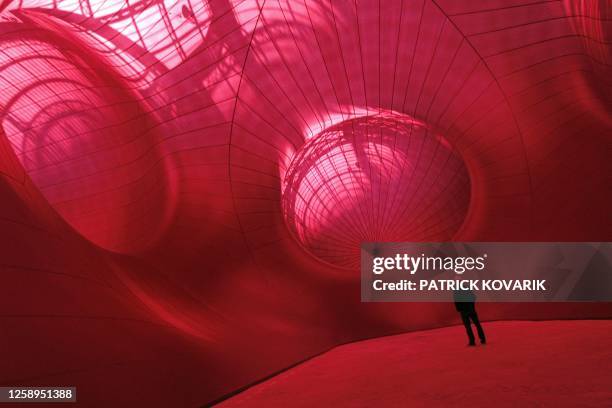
(183, 184)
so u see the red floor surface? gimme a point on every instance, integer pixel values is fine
(525, 364)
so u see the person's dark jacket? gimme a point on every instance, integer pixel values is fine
(464, 300)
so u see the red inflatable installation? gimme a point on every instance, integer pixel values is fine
(184, 184)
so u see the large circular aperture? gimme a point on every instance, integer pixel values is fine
(84, 137)
(374, 178)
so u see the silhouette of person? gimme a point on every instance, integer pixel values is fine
(465, 305)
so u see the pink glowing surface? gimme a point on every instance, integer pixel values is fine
(375, 178)
(172, 174)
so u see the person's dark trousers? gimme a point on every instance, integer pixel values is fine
(466, 316)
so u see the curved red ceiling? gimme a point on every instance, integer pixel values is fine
(152, 152)
(381, 177)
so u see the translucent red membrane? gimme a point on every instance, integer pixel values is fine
(375, 178)
(187, 136)
(83, 137)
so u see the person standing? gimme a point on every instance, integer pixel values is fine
(465, 303)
